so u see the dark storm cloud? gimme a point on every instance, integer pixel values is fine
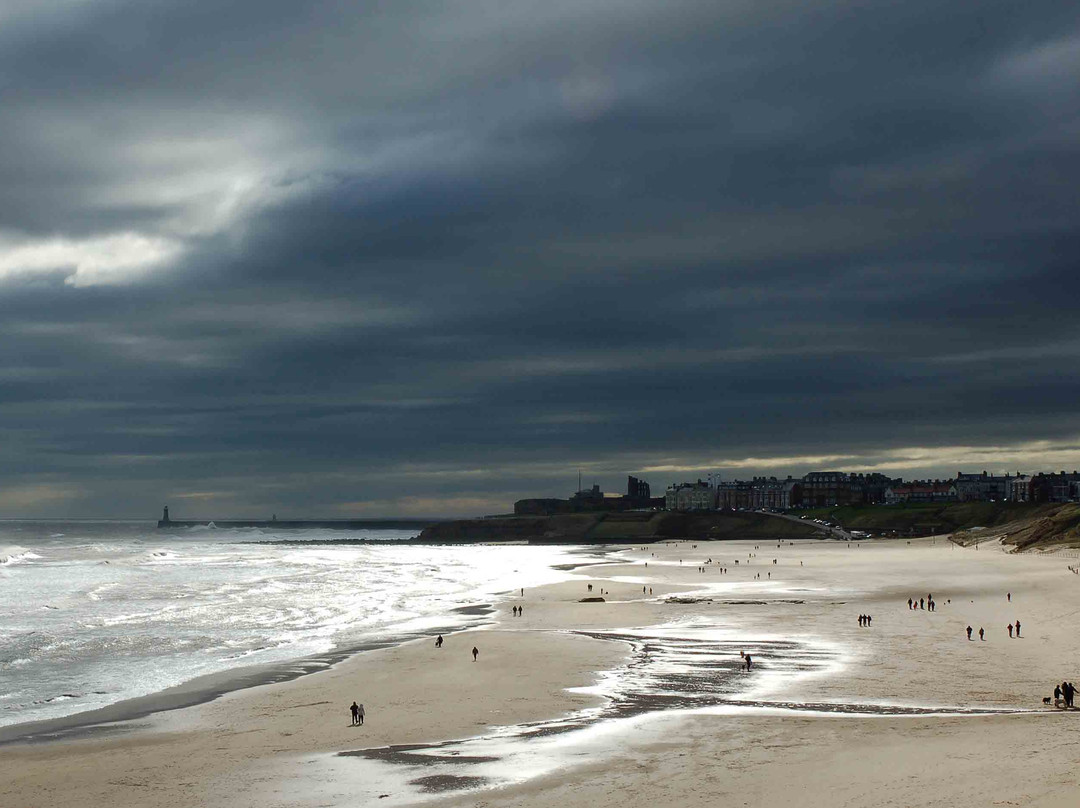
(430, 257)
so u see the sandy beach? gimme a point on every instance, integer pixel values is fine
(644, 696)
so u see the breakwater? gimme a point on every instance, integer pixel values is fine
(301, 524)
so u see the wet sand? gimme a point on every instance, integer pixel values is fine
(660, 706)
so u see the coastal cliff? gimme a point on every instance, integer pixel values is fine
(598, 528)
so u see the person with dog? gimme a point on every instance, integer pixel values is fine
(1057, 696)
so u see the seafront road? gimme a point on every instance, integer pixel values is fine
(831, 532)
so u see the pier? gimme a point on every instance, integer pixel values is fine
(298, 524)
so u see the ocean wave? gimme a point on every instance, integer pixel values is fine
(166, 610)
(9, 556)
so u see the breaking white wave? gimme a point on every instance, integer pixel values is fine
(109, 612)
(16, 555)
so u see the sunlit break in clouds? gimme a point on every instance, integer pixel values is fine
(337, 259)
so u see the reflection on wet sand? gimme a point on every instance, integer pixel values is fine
(684, 666)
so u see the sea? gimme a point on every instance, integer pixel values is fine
(94, 613)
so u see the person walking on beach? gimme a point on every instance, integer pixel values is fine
(749, 661)
(355, 710)
(980, 633)
(868, 619)
(1009, 627)
(909, 603)
(475, 653)
(969, 632)
(438, 641)
(1017, 628)
(1008, 596)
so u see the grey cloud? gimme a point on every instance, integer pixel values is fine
(450, 252)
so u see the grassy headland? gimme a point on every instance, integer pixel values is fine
(1024, 525)
(627, 526)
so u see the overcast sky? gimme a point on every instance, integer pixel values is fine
(426, 258)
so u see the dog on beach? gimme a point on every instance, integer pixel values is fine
(1046, 699)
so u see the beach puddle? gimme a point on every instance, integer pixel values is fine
(691, 667)
(439, 783)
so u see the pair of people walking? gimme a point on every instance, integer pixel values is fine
(1064, 693)
(357, 711)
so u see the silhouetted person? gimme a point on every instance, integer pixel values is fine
(475, 653)
(922, 603)
(438, 641)
(1010, 630)
(980, 633)
(749, 661)
(1008, 596)
(520, 610)
(1017, 628)
(868, 619)
(909, 602)
(1057, 690)
(355, 710)
(969, 632)
(360, 713)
